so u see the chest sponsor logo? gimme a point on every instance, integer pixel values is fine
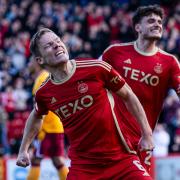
(158, 68)
(82, 87)
(75, 106)
(141, 76)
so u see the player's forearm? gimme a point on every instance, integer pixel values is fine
(136, 109)
(32, 127)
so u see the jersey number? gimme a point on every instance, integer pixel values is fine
(148, 158)
(140, 167)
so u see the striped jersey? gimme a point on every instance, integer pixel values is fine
(150, 75)
(85, 108)
(51, 122)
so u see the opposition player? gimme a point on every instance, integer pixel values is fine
(77, 91)
(50, 139)
(147, 69)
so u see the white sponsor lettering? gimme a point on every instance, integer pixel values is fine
(87, 104)
(126, 70)
(154, 80)
(141, 76)
(64, 111)
(135, 74)
(73, 107)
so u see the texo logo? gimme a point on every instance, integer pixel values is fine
(73, 107)
(141, 76)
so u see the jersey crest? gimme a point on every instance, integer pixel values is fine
(158, 68)
(82, 87)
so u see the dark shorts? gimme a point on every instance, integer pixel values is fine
(52, 145)
(126, 169)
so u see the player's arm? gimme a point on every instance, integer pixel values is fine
(135, 108)
(32, 127)
(175, 76)
(114, 82)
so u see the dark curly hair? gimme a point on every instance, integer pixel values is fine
(146, 11)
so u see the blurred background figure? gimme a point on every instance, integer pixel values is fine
(170, 116)
(161, 141)
(4, 146)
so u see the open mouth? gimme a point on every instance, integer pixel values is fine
(59, 53)
(158, 30)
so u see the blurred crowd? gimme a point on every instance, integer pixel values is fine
(87, 28)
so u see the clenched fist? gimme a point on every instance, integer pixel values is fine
(23, 159)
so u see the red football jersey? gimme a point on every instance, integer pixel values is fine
(86, 110)
(150, 75)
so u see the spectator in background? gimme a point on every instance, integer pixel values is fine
(15, 128)
(161, 141)
(169, 114)
(171, 103)
(173, 32)
(20, 95)
(8, 102)
(176, 145)
(174, 127)
(4, 144)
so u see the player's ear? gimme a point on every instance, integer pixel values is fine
(39, 60)
(137, 28)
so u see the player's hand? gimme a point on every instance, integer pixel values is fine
(146, 143)
(23, 159)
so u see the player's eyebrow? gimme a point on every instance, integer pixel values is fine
(154, 19)
(50, 42)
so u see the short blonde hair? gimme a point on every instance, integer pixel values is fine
(35, 40)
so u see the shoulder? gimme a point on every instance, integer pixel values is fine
(168, 55)
(42, 88)
(118, 46)
(93, 63)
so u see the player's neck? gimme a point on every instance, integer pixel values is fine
(146, 46)
(61, 73)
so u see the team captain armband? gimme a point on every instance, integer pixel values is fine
(40, 110)
(115, 80)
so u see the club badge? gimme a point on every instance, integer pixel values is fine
(158, 68)
(82, 87)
